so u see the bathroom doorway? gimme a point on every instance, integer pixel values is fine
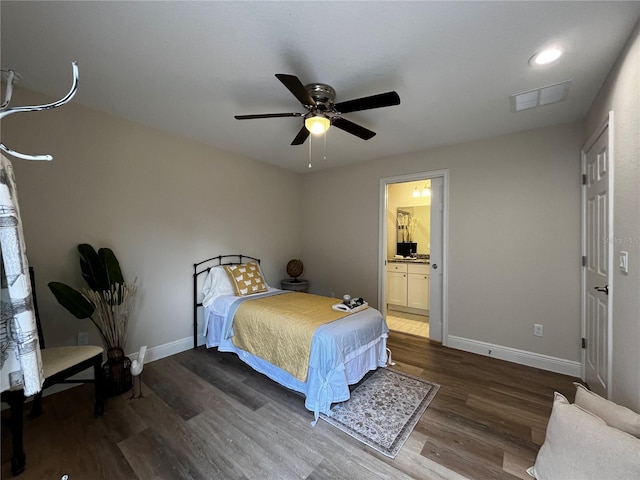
(412, 241)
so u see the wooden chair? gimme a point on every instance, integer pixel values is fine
(58, 363)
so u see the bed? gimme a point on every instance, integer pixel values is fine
(248, 323)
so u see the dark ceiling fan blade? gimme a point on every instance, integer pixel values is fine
(301, 137)
(296, 87)
(352, 128)
(366, 103)
(266, 115)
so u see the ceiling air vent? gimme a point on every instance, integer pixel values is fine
(540, 96)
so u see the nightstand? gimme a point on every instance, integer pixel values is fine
(295, 285)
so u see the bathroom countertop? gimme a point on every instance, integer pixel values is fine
(409, 260)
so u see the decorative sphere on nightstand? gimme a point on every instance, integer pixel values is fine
(295, 268)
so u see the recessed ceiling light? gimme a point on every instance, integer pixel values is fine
(545, 57)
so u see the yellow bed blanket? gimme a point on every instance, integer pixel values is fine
(279, 328)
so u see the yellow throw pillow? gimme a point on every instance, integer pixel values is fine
(246, 278)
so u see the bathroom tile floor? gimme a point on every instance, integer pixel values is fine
(408, 323)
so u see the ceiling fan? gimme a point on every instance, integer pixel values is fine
(322, 112)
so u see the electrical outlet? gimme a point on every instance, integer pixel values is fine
(537, 329)
(83, 338)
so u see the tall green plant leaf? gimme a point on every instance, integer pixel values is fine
(92, 268)
(72, 300)
(111, 266)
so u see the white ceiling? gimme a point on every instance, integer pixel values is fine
(189, 67)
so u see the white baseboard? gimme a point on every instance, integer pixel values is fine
(166, 350)
(521, 357)
(153, 353)
(414, 311)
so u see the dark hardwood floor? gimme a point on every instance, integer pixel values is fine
(205, 415)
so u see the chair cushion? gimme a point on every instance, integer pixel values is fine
(57, 359)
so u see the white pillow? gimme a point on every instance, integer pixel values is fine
(615, 415)
(217, 283)
(580, 445)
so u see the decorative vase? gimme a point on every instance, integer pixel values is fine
(117, 373)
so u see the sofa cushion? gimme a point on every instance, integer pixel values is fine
(580, 445)
(615, 415)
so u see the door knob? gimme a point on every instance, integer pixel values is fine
(604, 289)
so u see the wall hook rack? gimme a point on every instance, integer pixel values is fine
(5, 111)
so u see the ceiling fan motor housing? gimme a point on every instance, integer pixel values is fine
(323, 94)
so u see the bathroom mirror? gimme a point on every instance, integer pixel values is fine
(413, 226)
(404, 217)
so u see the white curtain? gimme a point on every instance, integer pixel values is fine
(20, 364)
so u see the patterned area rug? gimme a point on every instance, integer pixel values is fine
(383, 410)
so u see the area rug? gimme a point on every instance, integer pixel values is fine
(383, 410)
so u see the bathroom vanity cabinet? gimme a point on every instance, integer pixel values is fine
(408, 285)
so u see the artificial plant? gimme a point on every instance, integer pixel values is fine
(108, 300)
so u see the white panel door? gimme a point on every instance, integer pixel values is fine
(598, 252)
(436, 256)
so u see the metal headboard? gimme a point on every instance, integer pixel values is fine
(204, 267)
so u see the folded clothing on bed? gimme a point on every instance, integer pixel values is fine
(279, 328)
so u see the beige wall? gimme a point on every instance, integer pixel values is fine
(621, 94)
(514, 235)
(161, 202)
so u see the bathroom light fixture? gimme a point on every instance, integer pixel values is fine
(317, 124)
(545, 57)
(425, 192)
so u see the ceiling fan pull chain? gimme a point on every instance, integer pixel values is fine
(325, 146)
(310, 153)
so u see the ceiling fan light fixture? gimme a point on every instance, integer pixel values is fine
(317, 124)
(322, 112)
